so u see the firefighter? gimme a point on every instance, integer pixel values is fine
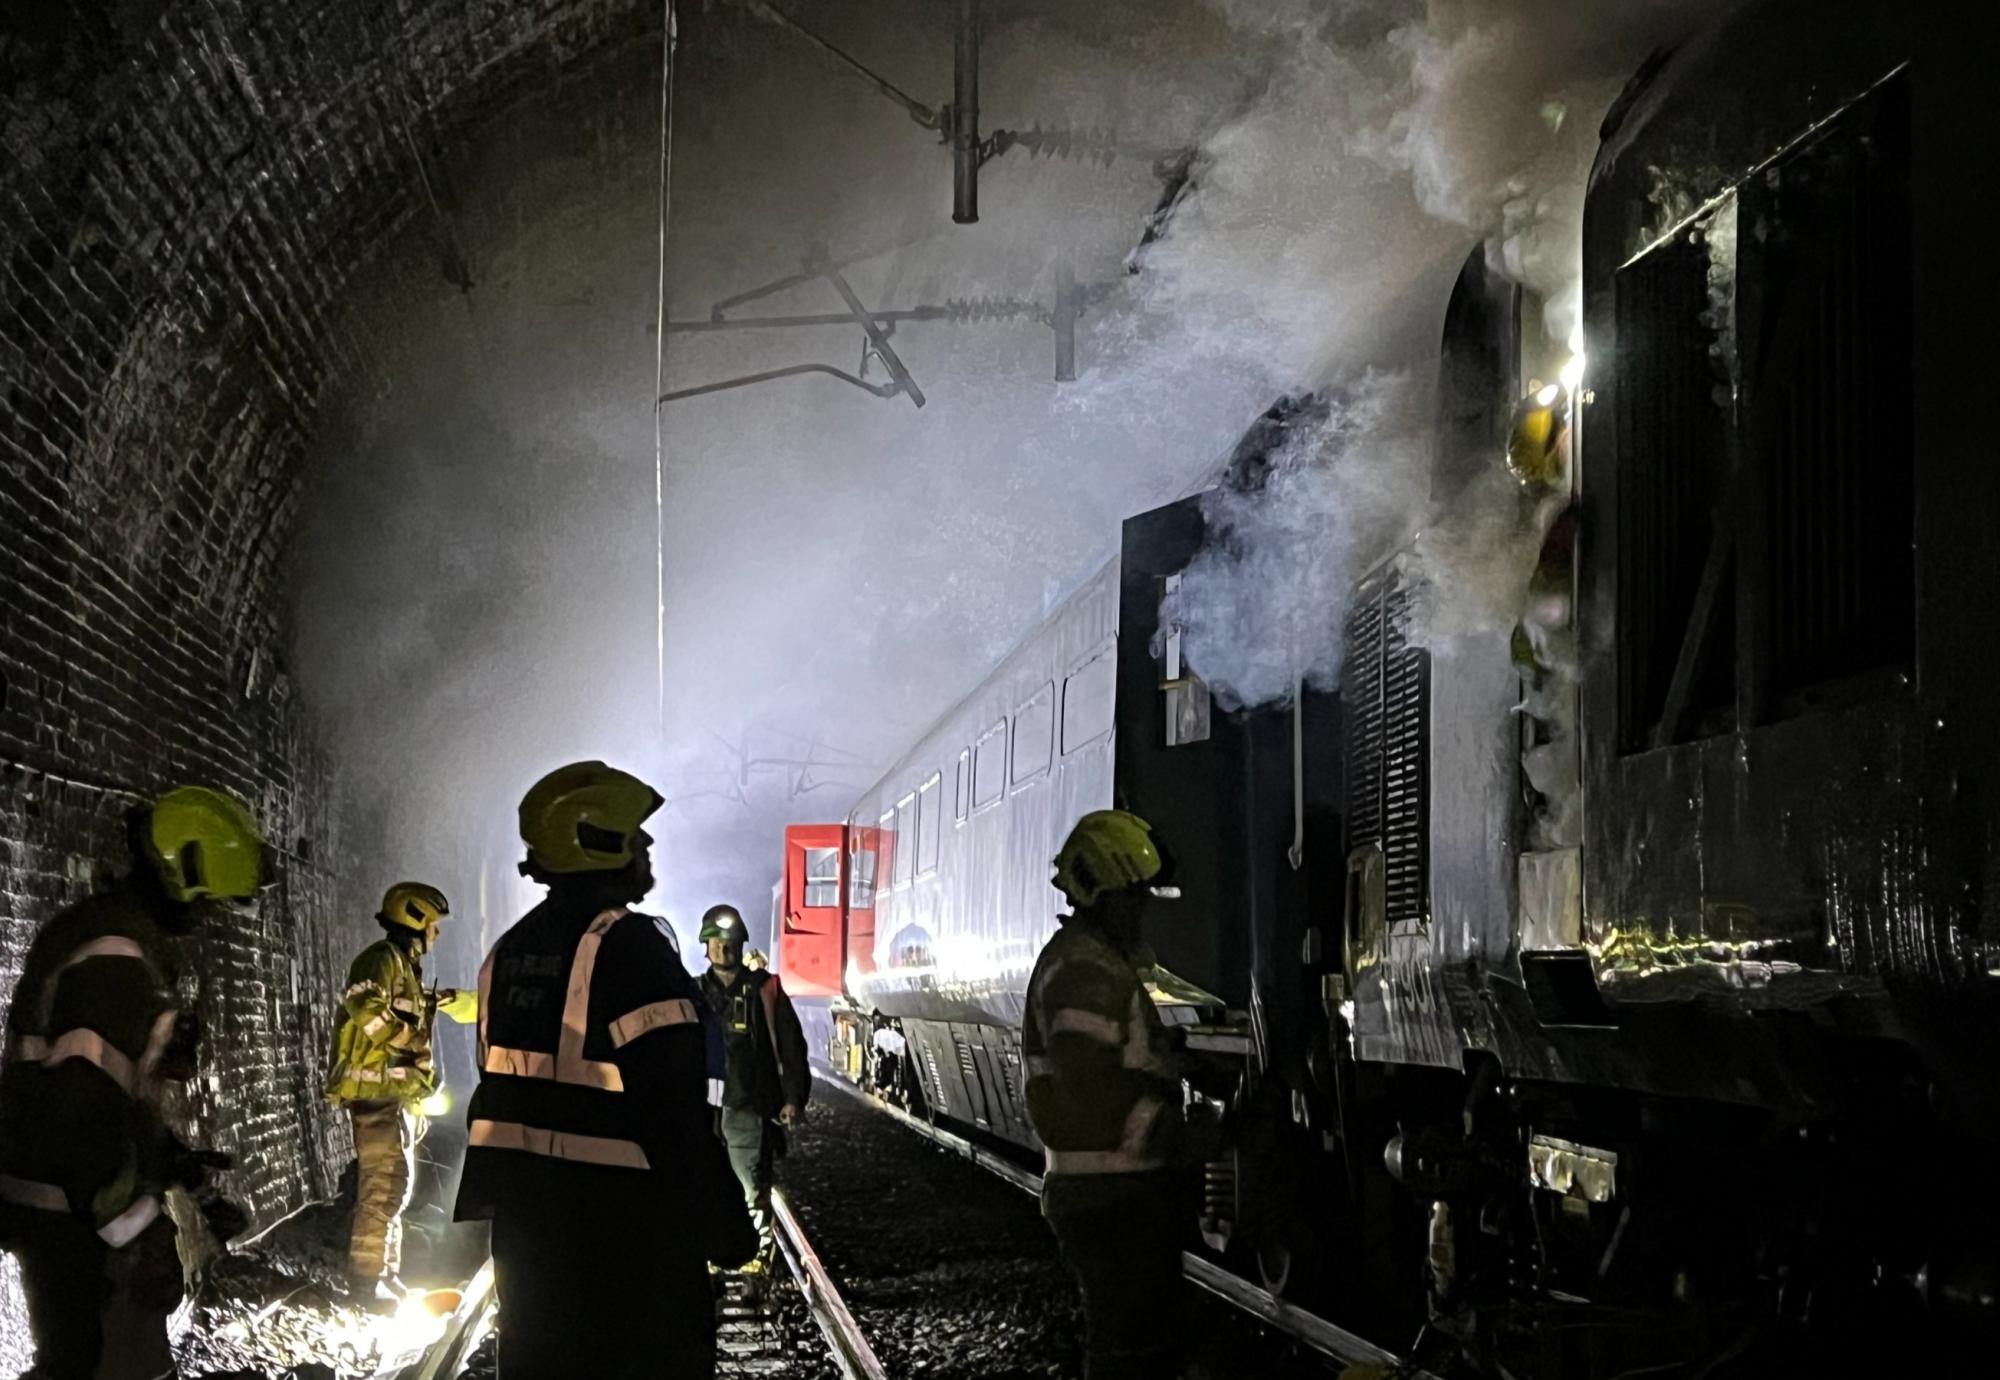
(1104, 1095)
(382, 1072)
(86, 1160)
(766, 1080)
(591, 1148)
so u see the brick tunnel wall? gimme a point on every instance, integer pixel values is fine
(187, 188)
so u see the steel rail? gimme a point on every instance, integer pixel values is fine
(445, 1358)
(1329, 1339)
(851, 1351)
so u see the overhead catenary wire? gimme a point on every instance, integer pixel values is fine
(668, 41)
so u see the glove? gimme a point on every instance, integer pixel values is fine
(225, 1219)
(179, 1061)
(459, 1003)
(191, 1168)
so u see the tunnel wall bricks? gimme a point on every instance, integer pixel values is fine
(186, 190)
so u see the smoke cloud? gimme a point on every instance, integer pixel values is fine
(476, 600)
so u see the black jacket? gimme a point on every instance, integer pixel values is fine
(600, 1092)
(780, 1075)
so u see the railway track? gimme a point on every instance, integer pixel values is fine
(752, 1337)
(1308, 1329)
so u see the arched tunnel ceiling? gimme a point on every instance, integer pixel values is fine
(189, 188)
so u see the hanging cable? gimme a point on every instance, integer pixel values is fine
(667, 45)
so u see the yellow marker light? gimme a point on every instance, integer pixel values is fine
(1572, 372)
(436, 1105)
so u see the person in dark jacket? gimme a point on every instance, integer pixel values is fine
(766, 1081)
(1104, 1095)
(591, 1147)
(94, 1029)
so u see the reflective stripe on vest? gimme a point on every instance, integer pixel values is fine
(36, 1049)
(568, 1064)
(120, 1231)
(629, 1027)
(561, 1145)
(1129, 1158)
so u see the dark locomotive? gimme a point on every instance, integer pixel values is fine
(1615, 991)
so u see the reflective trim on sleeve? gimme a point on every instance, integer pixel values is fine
(485, 998)
(560, 1145)
(120, 1231)
(124, 1229)
(370, 1027)
(365, 986)
(629, 1027)
(105, 946)
(1072, 1020)
(88, 1045)
(715, 1092)
(28, 1193)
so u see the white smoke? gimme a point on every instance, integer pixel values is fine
(1484, 113)
(477, 597)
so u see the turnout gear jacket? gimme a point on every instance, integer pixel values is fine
(1103, 1081)
(382, 1046)
(593, 1066)
(90, 1033)
(764, 1042)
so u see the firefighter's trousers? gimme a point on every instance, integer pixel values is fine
(1120, 1236)
(97, 1313)
(751, 1155)
(385, 1148)
(613, 1289)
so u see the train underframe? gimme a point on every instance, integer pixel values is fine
(1502, 1226)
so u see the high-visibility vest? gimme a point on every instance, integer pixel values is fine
(1102, 1088)
(593, 1059)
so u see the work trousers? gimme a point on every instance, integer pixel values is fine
(752, 1156)
(385, 1149)
(1120, 1236)
(606, 1290)
(97, 1313)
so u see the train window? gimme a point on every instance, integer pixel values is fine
(989, 765)
(962, 794)
(886, 850)
(905, 852)
(1090, 697)
(822, 876)
(861, 878)
(930, 822)
(1034, 729)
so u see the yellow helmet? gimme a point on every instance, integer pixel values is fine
(1536, 443)
(203, 842)
(413, 906)
(584, 818)
(1107, 851)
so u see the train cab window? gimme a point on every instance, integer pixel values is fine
(1090, 695)
(904, 854)
(962, 792)
(930, 822)
(822, 876)
(1034, 731)
(989, 765)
